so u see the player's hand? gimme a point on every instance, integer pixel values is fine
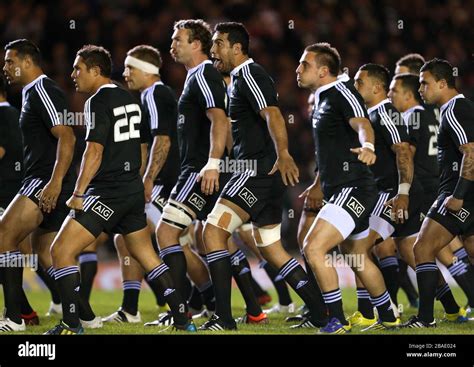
(365, 155)
(313, 197)
(49, 196)
(148, 184)
(399, 210)
(452, 204)
(75, 203)
(209, 179)
(287, 167)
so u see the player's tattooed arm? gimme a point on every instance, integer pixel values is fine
(158, 154)
(284, 163)
(405, 163)
(467, 165)
(144, 154)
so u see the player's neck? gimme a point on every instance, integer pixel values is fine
(447, 96)
(149, 83)
(240, 59)
(376, 100)
(100, 82)
(196, 60)
(411, 104)
(327, 80)
(33, 75)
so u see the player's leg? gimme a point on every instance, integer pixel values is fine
(27, 312)
(388, 262)
(242, 274)
(460, 251)
(364, 316)
(20, 218)
(41, 241)
(139, 245)
(88, 265)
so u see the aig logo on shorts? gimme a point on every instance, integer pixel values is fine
(356, 207)
(197, 201)
(387, 211)
(38, 194)
(461, 215)
(248, 196)
(102, 210)
(160, 201)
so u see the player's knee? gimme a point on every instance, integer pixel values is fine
(224, 218)
(265, 237)
(176, 215)
(422, 250)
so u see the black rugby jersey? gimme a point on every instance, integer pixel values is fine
(456, 129)
(160, 117)
(204, 88)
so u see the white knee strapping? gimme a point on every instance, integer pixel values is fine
(224, 217)
(266, 236)
(186, 239)
(246, 227)
(153, 214)
(177, 215)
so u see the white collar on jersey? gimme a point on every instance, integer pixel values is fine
(192, 70)
(4, 104)
(443, 107)
(235, 71)
(323, 88)
(144, 91)
(30, 84)
(108, 85)
(407, 113)
(373, 108)
(343, 77)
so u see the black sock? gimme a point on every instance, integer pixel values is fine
(160, 299)
(279, 283)
(464, 276)
(333, 300)
(25, 307)
(297, 278)
(163, 279)
(243, 275)
(364, 305)
(427, 277)
(195, 300)
(221, 276)
(12, 284)
(131, 292)
(174, 258)
(445, 296)
(207, 295)
(68, 281)
(88, 270)
(405, 282)
(384, 307)
(389, 269)
(50, 283)
(257, 289)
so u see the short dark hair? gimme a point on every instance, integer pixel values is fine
(237, 33)
(326, 56)
(147, 53)
(198, 30)
(25, 47)
(93, 56)
(378, 72)
(3, 85)
(441, 69)
(413, 62)
(410, 82)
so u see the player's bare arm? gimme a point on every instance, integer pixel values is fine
(64, 155)
(158, 155)
(90, 164)
(284, 163)
(313, 194)
(405, 167)
(366, 153)
(209, 175)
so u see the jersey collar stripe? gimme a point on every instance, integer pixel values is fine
(256, 91)
(204, 86)
(48, 104)
(390, 125)
(455, 125)
(151, 103)
(356, 106)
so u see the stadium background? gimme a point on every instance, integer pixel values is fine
(362, 30)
